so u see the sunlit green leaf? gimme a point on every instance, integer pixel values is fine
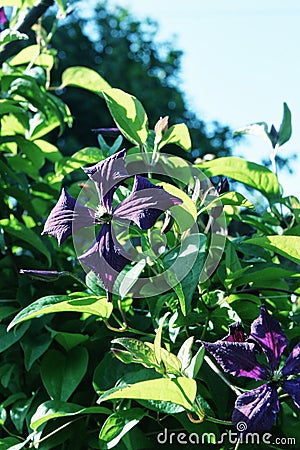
(231, 198)
(249, 173)
(32, 54)
(76, 302)
(129, 115)
(185, 352)
(157, 340)
(185, 214)
(88, 155)
(117, 425)
(287, 246)
(181, 391)
(195, 364)
(85, 78)
(177, 134)
(54, 409)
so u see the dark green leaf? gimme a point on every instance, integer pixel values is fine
(61, 374)
(285, 130)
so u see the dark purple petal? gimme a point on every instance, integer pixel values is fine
(145, 203)
(43, 275)
(104, 258)
(66, 216)
(267, 332)
(292, 387)
(238, 359)
(256, 410)
(236, 333)
(110, 132)
(292, 363)
(107, 175)
(3, 18)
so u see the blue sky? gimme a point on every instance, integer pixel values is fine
(241, 62)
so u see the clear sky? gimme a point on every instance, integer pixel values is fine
(241, 62)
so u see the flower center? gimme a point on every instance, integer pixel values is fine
(276, 375)
(102, 214)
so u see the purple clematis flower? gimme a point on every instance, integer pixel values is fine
(143, 206)
(258, 407)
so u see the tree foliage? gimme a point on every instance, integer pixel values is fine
(78, 372)
(125, 51)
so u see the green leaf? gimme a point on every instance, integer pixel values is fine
(127, 278)
(19, 412)
(287, 246)
(187, 261)
(22, 233)
(9, 339)
(285, 130)
(129, 115)
(231, 198)
(10, 35)
(69, 340)
(85, 78)
(259, 273)
(61, 374)
(249, 173)
(8, 443)
(185, 214)
(170, 364)
(54, 409)
(34, 346)
(177, 134)
(63, 5)
(181, 391)
(172, 279)
(12, 107)
(50, 151)
(88, 155)
(140, 351)
(93, 282)
(32, 53)
(185, 352)
(196, 362)
(117, 425)
(157, 340)
(75, 302)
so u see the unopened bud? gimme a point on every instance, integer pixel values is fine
(160, 128)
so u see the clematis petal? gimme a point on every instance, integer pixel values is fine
(145, 203)
(266, 331)
(292, 363)
(236, 333)
(238, 359)
(104, 258)
(292, 387)
(43, 275)
(107, 175)
(3, 18)
(256, 409)
(66, 216)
